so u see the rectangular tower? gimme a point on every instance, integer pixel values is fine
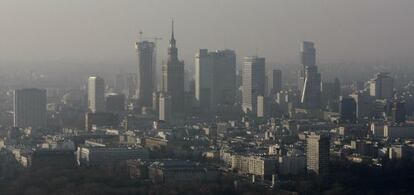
(318, 153)
(96, 94)
(146, 72)
(215, 78)
(30, 108)
(253, 82)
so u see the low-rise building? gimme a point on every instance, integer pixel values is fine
(90, 156)
(177, 171)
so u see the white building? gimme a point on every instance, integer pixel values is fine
(254, 165)
(96, 94)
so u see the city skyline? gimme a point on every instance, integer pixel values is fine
(243, 99)
(273, 34)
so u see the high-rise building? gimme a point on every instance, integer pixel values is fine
(311, 90)
(364, 104)
(276, 81)
(331, 91)
(348, 109)
(398, 112)
(261, 106)
(215, 78)
(307, 58)
(164, 113)
(30, 108)
(115, 102)
(318, 153)
(96, 94)
(382, 86)
(146, 72)
(254, 73)
(173, 78)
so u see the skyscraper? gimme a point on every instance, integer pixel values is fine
(276, 81)
(318, 153)
(173, 77)
(96, 94)
(215, 78)
(348, 109)
(146, 72)
(382, 86)
(311, 90)
(398, 112)
(30, 108)
(115, 102)
(253, 82)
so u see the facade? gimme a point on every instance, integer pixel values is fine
(276, 81)
(30, 108)
(177, 171)
(318, 153)
(215, 78)
(331, 92)
(382, 86)
(253, 82)
(292, 164)
(261, 106)
(164, 113)
(100, 119)
(254, 165)
(92, 156)
(364, 103)
(173, 78)
(115, 102)
(96, 94)
(398, 112)
(348, 109)
(311, 90)
(146, 72)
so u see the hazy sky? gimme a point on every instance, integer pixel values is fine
(104, 31)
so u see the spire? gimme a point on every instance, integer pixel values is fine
(172, 29)
(172, 41)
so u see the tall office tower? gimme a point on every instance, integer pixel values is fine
(311, 90)
(382, 86)
(348, 109)
(364, 103)
(215, 78)
(318, 153)
(173, 78)
(254, 73)
(30, 108)
(96, 94)
(276, 81)
(115, 102)
(331, 91)
(398, 112)
(146, 72)
(307, 58)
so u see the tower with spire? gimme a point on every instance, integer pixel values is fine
(173, 77)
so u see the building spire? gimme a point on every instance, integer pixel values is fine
(172, 41)
(172, 29)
